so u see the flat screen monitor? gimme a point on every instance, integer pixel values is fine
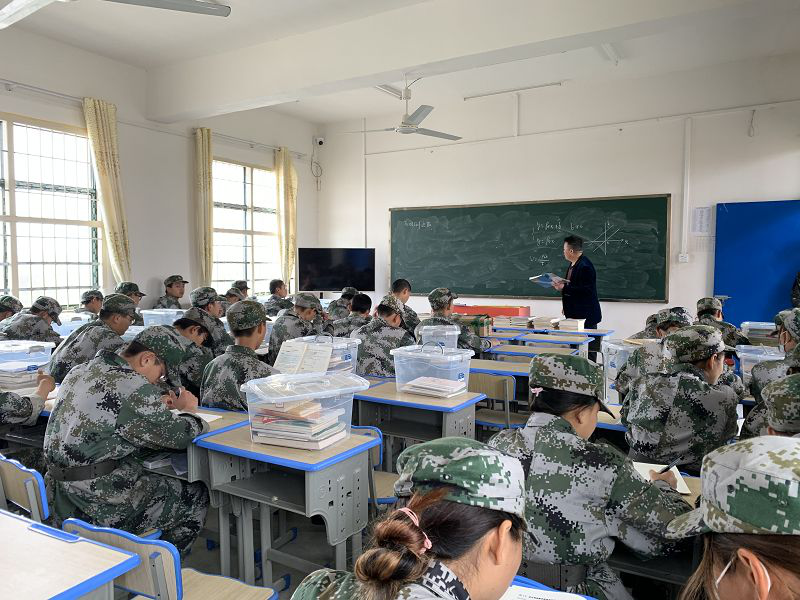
(331, 269)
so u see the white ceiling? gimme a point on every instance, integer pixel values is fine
(767, 33)
(149, 37)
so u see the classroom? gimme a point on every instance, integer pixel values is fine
(400, 299)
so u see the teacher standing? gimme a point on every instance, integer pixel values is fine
(579, 292)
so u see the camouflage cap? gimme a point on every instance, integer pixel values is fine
(127, 288)
(164, 343)
(202, 318)
(10, 303)
(392, 302)
(705, 304)
(676, 315)
(240, 284)
(651, 320)
(49, 305)
(90, 295)
(246, 314)
(119, 303)
(752, 486)
(782, 398)
(236, 292)
(790, 321)
(476, 474)
(306, 300)
(203, 296)
(697, 342)
(569, 374)
(349, 291)
(441, 298)
(174, 279)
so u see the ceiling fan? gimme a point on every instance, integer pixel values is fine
(17, 10)
(410, 122)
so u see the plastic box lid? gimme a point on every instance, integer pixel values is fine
(432, 352)
(339, 343)
(445, 330)
(772, 352)
(277, 389)
(27, 346)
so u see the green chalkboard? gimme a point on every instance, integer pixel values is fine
(492, 249)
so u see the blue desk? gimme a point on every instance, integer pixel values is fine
(499, 367)
(509, 350)
(604, 421)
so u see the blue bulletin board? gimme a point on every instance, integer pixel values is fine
(756, 258)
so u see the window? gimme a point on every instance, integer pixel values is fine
(245, 226)
(51, 233)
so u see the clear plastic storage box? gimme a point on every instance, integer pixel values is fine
(344, 354)
(161, 316)
(615, 355)
(442, 335)
(132, 332)
(308, 412)
(750, 356)
(430, 361)
(70, 322)
(28, 351)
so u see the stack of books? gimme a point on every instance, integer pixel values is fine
(571, 324)
(545, 322)
(18, 375)
(506, 321)
(303, 424)
(435, 386)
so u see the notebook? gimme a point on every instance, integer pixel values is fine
(299, 357)
(645, 468)
(435, 386)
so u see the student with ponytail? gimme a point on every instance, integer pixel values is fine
(459, 536)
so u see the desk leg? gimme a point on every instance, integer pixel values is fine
(341, 556)
(224, 537)
(247, 542)
(265, 516)
(236, 503)
(357, 545)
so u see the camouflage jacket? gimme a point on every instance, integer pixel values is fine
(288, 327)
(466, 339)
(276, 304)
(730, 333)
(679, 415)
(167, 301)
(83, 311)
(338, 309)
(410, 319)
(20, 410)
(439, 583)
(583, 497)
(81, 346)
(378, 338)
(762, 375)
(225, 374)
(138, 320)
(648, 333)
(344, 327)
(25, 326)
(650, 358)
(105, 410)
(193, 366)
(220, 338)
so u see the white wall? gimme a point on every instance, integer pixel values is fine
(563, 152)
(156, 161)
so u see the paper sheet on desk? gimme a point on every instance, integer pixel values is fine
(205, 416)
(516, 592)
(645, 468)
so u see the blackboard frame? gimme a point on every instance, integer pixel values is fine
(667, 255)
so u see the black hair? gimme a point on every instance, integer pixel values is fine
(385, 311)
(575, 242)
(400, 285)
(275, 285)
(243, 332)
(134, 348)
(361, 303)
(396, 555)
(347, 296)
(184, 323)
(708, 311)
(559, 402)
(106, 314)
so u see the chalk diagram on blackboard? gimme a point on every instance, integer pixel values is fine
(602, 242)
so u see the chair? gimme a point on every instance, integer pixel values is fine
(496, 387)
(159, 574)
(381, 484)
(24, 488)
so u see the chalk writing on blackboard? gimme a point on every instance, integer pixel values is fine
(608, 239)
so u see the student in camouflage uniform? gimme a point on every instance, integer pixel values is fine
(25, 410)
(34, 323)
(359, 315)
(709, 312)
(782, 398)
(193, 335)
(749, 518)
(340, 308)
(277, 300)
(110, 416)
(653, 357)
(174, 289)
(207, 299)
(401, 289)
(649, 331)
(104, 333)
(9, 306)
(232, 296)
(242, 287)
(131, 290)
(441, 300)
(91, 303)
(583, 497)
(459, 537)
(224, 375)
(379, 337)
(762, 374)
(683, 414)
(301, 321)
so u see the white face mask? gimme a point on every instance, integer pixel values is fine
(728, 566)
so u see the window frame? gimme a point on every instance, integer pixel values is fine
(103, 271)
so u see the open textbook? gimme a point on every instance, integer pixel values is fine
(547, 279)
(300, 357)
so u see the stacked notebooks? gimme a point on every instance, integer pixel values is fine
(506, 321)
(571, 324)
(435, 386)
(299, 424)
(545, 322)
(18, 375)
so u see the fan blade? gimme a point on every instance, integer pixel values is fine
(17, 10)
(418, 115)
(371, 130)
(437, 134)
(200, 7)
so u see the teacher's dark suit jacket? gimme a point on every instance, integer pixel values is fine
(579, 296)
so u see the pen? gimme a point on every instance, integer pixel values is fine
(669, 466)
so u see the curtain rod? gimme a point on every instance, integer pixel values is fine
(10, 86)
